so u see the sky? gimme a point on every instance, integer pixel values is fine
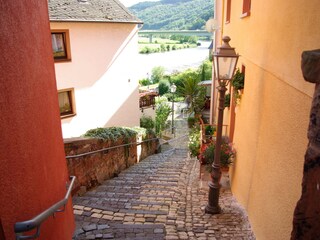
(129, 3)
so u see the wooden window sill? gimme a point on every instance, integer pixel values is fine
(61, 60)
(68, 115)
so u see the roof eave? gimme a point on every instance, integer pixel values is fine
(97, 21)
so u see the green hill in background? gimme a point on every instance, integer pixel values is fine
(174, 14)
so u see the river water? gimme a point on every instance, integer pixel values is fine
(172, 61)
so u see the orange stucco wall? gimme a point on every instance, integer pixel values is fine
(33, 172)
(272, 118)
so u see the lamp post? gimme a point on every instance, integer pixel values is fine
(225, 61)
(173, 89)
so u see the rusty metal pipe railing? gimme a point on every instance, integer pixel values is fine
(35, 223)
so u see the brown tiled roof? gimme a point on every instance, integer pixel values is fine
(148, 94)
(90, 11)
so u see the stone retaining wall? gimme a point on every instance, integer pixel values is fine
(91, 170)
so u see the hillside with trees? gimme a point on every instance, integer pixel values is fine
(174, 14)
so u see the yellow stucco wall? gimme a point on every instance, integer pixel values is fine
(272, 118)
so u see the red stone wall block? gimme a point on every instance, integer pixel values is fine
(91, 170)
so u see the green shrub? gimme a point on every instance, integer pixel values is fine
(147, 122)
(209, 130)
(163, 47)
(238, 80)
(164, 87)
(163, 110)
(111, 133)
(144, 132)
(145, 82)
(194, 142)
(191, 122)
(227, 100)
(157, 74)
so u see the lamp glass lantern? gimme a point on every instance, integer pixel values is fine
(173, 88)
(225, 62)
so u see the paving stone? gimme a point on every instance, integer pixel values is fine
(108, 217)
(90, 237)
(96, 215)
(103, 226)
(158, 230)
(90, 227)
(99, 236)
(78, 207)
(107, 236)
(78, 232)
(77, 212)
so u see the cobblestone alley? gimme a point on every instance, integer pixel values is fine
(162, 197)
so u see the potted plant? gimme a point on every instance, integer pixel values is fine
(238, 84)
(209, 130)
(226, 157)
(227, 100)
(194, 142)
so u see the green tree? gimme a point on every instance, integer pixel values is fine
(179, 77)
(147, 122)
(163, 47)
(192, 39)
(144, 82)
(174, 14)
(163, 86)
(163, 111)
(206, 70)
(193, 94)
(157, 74)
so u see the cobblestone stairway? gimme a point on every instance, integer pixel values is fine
(159, 198)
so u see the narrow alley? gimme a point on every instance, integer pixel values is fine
(162, 197)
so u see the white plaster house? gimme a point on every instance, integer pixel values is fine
(95, 44)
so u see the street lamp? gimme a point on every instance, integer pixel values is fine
(225, 61)
(173, 89)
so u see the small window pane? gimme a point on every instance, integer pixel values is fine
(65, 103)
(58, 45)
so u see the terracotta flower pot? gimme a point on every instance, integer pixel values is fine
(224, 169)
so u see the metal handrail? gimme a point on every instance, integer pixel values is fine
(25, 226)
(109, 148)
